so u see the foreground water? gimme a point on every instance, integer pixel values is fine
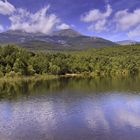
(71, 109)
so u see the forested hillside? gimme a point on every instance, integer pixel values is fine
(121, 60)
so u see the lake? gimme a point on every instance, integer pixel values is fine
(71, 109)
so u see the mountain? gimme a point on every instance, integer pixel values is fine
(67, 39)
(127, 42)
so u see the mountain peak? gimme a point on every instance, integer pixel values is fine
(66, 33)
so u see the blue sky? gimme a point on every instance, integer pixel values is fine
(110, 19)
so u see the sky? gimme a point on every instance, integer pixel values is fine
(111, 19)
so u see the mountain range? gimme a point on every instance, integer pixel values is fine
(67, 39)
(128, 42)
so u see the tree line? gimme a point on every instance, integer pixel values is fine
(120, 60)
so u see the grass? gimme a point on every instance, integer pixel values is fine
(45, 77)
(28, 78)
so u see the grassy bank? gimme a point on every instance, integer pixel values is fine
(44, 77)
(28, 78)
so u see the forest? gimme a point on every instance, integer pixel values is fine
(108, 61)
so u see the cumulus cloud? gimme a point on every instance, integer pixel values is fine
(38, 22)
(63, 26)
(97, 18)
(33, 22)
(99, 26)
(6, 8)
(125, 20)
(95, 15)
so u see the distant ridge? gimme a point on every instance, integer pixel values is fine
(127, 42)
(67, 39)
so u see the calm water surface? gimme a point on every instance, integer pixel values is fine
(71, 109)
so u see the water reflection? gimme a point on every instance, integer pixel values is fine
(21, 88)
(71, 109)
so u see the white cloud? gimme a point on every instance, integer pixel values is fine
(121, 21)
(99, 26)
(128, 21)
(97, 18)
(95, 15)
(6, 8)
(135, 32)
(38, 22)
(33, 22)
(125, 20)
(63, 26)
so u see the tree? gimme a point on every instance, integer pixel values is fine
(54, 69)
(20, 67)
(8, 68)
(30, 70)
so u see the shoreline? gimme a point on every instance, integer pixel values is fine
(52, 77)
(28, 78)
(38, 77)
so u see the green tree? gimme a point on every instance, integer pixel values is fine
(20, 67)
